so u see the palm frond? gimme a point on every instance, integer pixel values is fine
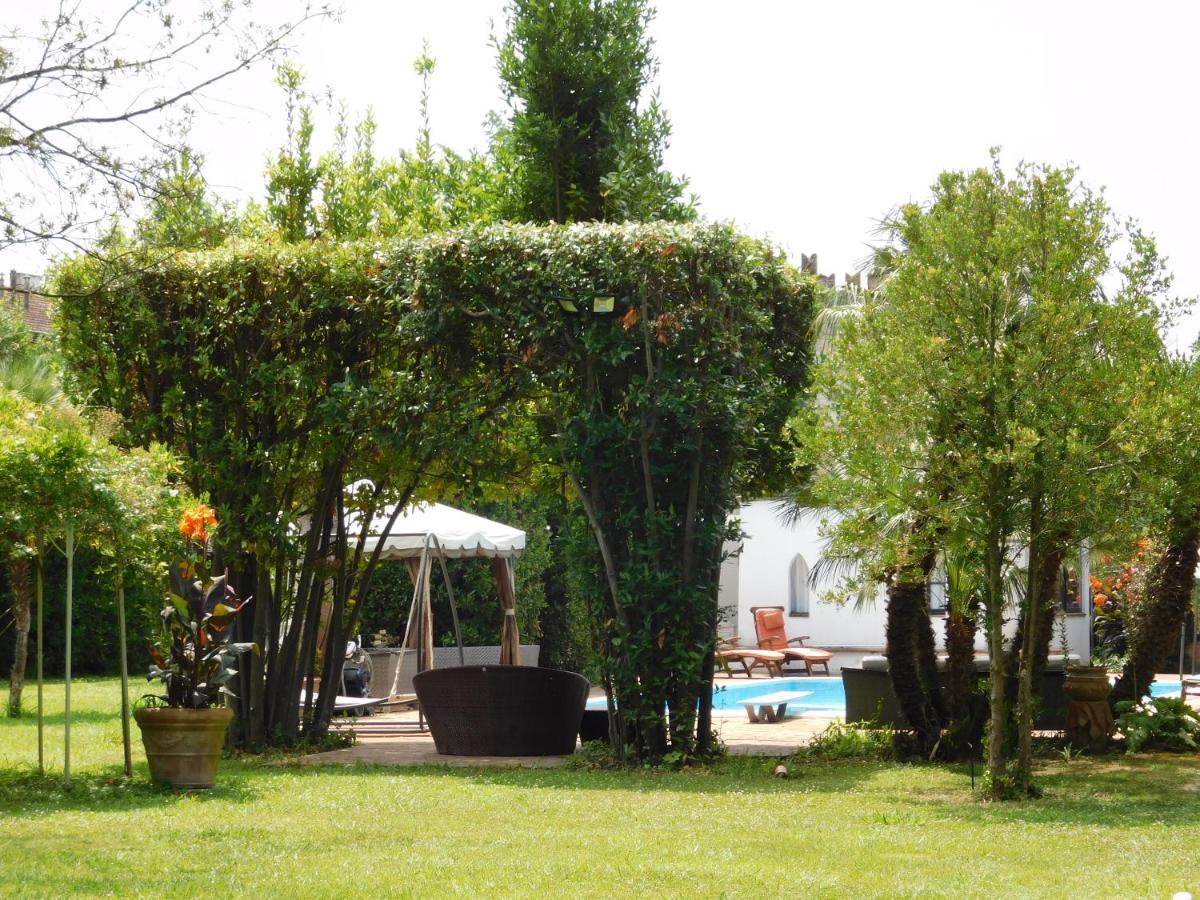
(32, 378)
(838, 306)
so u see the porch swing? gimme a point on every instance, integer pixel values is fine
(475, 710)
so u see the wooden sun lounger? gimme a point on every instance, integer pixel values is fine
(771, 707)
(750, 658)
(771, 631)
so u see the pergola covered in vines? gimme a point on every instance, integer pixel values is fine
(656, 364)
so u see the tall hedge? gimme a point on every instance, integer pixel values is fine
(662, 411)
(658, 363)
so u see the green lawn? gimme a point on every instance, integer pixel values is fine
(1113, 827)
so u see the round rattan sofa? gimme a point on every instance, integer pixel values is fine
(502, 710)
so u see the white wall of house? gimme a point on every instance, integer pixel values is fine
(728, 590)
(772, 570)
(765, 578)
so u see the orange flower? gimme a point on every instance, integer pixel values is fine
(194, 523)
(1095, 582)
(1100, 599)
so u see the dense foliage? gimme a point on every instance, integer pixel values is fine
(93, 615)
(581, 142)
(65, 485)
(274, 387)
(998, 401)
(661, 411)
(1159, 723)
(285, 372)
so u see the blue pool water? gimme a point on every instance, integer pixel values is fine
(826, 697)
(1164, 689)
(825, 700)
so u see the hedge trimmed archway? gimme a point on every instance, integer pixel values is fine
(659, 363)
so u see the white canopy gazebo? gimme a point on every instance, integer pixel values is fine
(459, 534)
(427, 530)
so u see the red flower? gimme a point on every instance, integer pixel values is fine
(194, 523)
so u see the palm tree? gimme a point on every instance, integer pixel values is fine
(1155, 631)
(31, 376)
(912, 660)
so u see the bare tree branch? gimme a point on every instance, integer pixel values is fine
(86, 84)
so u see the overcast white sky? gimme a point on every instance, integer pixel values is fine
(804, 122)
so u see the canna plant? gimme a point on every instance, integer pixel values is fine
(194, 657)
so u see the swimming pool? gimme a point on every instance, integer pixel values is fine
(826, 699)
(1164, 689)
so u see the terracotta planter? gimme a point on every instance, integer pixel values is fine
(183, 746)
(1087, 683)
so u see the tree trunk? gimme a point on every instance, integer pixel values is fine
(704, 730)
(1033, 603)
(1156, 630)
(1030, 650)
(998, 705)
(558, 651)
(1048, 582)
(20, 580)
(908, 652)
(960, 662)
(1036, 620)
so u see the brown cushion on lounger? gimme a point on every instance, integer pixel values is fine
(812, 654)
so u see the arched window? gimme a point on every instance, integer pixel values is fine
(798, 586)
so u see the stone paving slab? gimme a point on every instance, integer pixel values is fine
(419, 752)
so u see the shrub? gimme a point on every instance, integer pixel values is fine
(843, 741)
(1159, 723)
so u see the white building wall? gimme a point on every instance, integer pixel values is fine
(759, 576)
(727, 592)
(763, 567)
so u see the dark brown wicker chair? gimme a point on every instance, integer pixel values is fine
(502, 710)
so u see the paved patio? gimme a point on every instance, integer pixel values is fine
(405, 746)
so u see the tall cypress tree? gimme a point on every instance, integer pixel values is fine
(583, 141)
(580, 144)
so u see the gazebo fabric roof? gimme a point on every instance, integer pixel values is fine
(460, 534)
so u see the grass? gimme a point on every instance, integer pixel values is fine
(1108, 827)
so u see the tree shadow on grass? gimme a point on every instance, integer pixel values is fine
(1116, 791)
(26, 794)
(745, 774)
(1112, 791)
(28, 719)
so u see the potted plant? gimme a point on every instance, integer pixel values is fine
(183, 729)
